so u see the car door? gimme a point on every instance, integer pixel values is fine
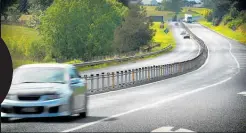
(79, 90)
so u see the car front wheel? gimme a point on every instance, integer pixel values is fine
(83, 115)
(4, 119)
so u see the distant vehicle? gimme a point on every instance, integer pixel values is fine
(186, 36)
(183, 33)
(188, 18)
(45, 90)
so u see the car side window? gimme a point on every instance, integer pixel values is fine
(73, 73)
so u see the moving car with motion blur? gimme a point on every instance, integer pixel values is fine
(45, 90)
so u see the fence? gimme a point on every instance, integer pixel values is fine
(105, 82)
(123, 59)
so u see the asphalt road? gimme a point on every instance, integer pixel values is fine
(185, 49)
(205, 100)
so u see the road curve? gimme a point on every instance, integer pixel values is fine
(203, 100)
(185, 49)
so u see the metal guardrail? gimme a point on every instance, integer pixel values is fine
(122, 59)
(105, 82)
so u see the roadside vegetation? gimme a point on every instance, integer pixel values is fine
(227, 17)
(51, 30)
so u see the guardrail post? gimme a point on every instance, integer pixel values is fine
(108, 77)
(92, 81)
(126, 78)
(97, 81)
(154, 71)
(113, 85)
(156, 74)
(122, 75)
(129, 74)
(133, 76)
(85, 77)
(143, 71)
(168, 69)
(103, 80)
(136, 75)
(117, 79)
(140, 75)
(149, 69)
(161, 71)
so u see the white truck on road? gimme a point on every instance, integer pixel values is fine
(188, 18)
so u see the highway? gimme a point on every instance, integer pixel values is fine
(185, 49)
(206, 100)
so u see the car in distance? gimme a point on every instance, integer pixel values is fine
(45, 90)
(186, 36)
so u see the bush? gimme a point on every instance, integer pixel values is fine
(227, 19)
(235, 23)
(208, 15)
(81, 36)
(216, 21)
(38, 50)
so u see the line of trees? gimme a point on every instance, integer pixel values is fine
(73, 29)
(230, 12)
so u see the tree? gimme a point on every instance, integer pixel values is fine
(39, 4)
(81, 28)
(172, 5)
(134, 32)
(124, 2)
(23, 6)
(5, 4)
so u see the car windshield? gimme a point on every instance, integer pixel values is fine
(39, 75)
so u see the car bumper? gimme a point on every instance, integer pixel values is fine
(52, 108)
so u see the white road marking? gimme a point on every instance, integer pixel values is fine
(147, 106)
(238, 65)
(169, 129)
(242, 93)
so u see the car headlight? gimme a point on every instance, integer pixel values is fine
(53, 97)
(10, 97)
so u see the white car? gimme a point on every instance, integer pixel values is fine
(45, 90)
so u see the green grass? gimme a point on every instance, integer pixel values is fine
(223, 29)
(20, 38)
(195, 9)
(161, 37)
(20, 34)
(151, 11)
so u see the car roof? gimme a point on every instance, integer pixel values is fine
(50, 65)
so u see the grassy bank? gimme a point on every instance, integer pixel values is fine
(19, 38)
(238, 35)
(151, 11)
(159, 37)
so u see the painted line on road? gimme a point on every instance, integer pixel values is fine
(226, 38)
(147, 106)
(238, 65)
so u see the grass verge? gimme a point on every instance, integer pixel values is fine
(21, 37)
(223, 29)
